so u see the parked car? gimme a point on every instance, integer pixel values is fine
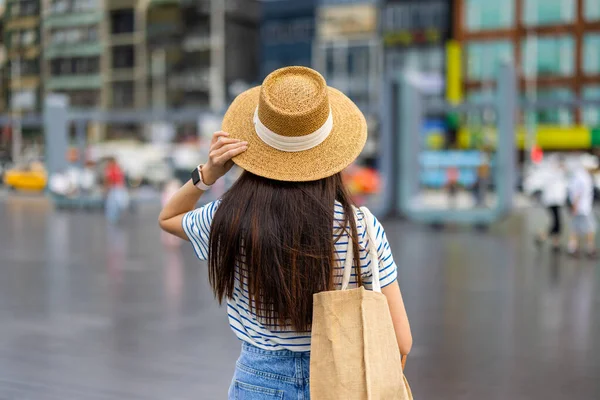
(31, 177)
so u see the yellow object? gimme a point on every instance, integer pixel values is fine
(436, 141)
(549, 137)
(34, 180)
(454, 83)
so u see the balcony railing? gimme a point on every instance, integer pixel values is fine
(190, 80)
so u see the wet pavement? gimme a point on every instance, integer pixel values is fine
(89, 311)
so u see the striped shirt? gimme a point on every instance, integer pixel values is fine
(244, 323)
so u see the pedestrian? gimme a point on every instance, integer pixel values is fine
(280, 234)
(480, 188)
(581, 200)
(117, 197)
(452, 185)
(554, 196)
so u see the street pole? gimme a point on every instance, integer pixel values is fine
(217, 55)
(531, 89)
(17, 137)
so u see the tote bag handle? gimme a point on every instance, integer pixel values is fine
(374, 264)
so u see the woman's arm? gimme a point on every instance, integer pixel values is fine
(399, 317)
(222, 150)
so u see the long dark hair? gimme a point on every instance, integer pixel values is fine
(280, 238)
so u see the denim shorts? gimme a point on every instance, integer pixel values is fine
(270, 375)
(583, 224)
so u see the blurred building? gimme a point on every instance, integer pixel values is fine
(22, 24)
(72, 50)
(347, 49)
(555, 44)
(129, 54)
(198, 50)
(286, 34)
(414, 34)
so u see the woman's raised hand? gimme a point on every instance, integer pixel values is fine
(222, 150)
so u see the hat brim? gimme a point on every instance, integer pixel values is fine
(340, 149)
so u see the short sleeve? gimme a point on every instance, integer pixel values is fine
(196, 225)
(388, 271)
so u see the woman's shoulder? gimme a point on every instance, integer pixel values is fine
(359, 215)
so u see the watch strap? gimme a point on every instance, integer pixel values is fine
(197, 179)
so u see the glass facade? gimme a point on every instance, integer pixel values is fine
(591, 54)
(486, 14)
(548, 12)
(561, 116)
(591, 115)
(484, 57)
(548, 56)
(591, 11)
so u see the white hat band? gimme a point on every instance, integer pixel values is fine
(293, 143)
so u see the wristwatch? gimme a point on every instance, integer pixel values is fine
(197, 179)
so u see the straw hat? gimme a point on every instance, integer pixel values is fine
(297, 128)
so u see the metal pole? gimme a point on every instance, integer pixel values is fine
(531, 89)
(410, 110)
(505, 171)
(17, 134)
(81, 140)
(217, 55)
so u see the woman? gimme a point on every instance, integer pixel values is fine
(117, 198)
(279, 235)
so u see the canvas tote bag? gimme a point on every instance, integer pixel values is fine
(354, 351)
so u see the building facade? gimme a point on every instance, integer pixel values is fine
(286, 34)
(22, 38)
(73, 48)
(198, 49)
(128, 54)
(347, 49)
(414, 35)
(555, 45)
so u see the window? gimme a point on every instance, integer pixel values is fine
(548, 12)
(548, 56)
(486, 14)
(484, 58)
(28, 37)
(75, 66)
(123, 57)
(23, 99)
(74, 35)
(24, 67)
(591, 114)
(123, 95)
(122, 21)
(591, 12)
(66, 6)
(23, 8)
(23, 38)
(83, 98)
(561, 116)
(591, 54)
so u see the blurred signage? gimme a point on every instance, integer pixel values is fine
(415, 22)
(347, 21)
(453, 158)
(23, 99)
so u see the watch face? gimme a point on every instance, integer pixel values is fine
(195, 176)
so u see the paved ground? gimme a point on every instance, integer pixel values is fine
(89, 312)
